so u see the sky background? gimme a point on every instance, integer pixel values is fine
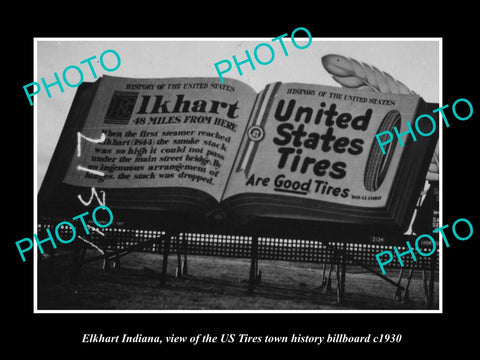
(415, 62)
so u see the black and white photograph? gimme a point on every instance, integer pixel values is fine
(211, 190)
(267, 190)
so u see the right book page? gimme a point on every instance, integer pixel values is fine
(318, 143)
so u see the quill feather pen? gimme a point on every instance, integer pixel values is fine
(353, 74)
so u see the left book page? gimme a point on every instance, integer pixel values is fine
(149, 133)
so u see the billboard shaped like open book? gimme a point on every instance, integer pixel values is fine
(291, 151)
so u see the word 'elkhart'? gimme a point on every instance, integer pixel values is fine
(266, 60)
(66, 80)
(160, 106)
(419, 251)
(61, 225)
(417, 120)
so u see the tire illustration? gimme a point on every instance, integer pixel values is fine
(378, 163)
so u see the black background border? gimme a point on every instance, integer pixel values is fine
(422, 333)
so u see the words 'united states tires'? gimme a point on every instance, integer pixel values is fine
(377, 162)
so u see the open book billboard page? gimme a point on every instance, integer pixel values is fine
(178, 132)
(318, 142)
